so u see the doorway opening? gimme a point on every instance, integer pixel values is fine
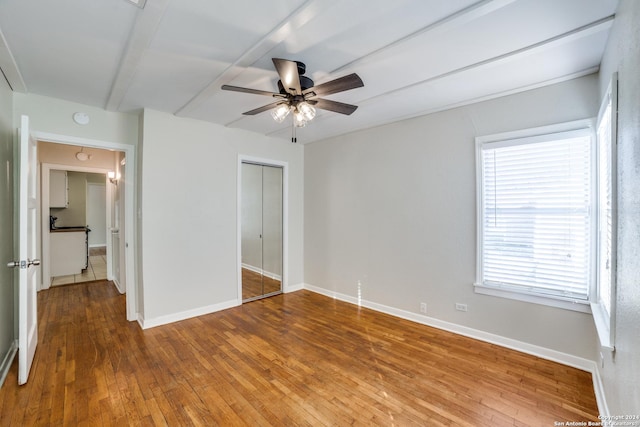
(117, 172)
(67, 235)
(78, 214)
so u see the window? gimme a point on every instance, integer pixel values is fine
(535, 219)
(603, 307)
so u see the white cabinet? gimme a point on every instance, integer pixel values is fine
(68, 252)
(58, 189)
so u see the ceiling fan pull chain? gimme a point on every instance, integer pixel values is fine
(294, 140)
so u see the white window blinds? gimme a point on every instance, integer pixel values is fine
(535, 215)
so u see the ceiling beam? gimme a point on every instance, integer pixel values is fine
(575, 34)
(578, 33)
(464, 16)
(142, 33)
(457, 19)
(280, 133)
(299, 17)
(460, 18)
(9, 67)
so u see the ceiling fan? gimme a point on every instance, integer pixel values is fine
(297, 94)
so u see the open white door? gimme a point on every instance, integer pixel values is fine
(27, 302)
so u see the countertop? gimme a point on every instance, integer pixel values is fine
(69, 229)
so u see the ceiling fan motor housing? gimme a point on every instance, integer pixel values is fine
(305, 83)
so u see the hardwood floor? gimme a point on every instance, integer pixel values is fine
(254, 284)
(293, 359)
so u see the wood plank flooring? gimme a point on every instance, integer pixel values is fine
(255, 284)
(294, 359)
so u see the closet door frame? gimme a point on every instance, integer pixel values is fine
(285, 216)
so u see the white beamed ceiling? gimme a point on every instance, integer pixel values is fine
(414, 56)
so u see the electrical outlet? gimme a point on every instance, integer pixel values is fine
(461, 307)
(423, 307)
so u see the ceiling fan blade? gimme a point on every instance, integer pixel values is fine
(247, 90)
(288, 72)
(335, 106)
(341, 84)
(263, 108)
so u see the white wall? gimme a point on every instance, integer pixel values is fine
(621, 371)
(56, 116)
(390, 216)
(189, 213)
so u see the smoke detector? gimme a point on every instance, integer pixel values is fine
(81, 118)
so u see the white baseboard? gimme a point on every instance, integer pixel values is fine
(293, 288)
(598, 388)
(262, 272)
(176, 317)
(7, 361)
(117, 284)
(140, 320)
(97, 245)
(534, 350)
(251, 268)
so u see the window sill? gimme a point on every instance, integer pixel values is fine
(574, 305)
(602, 321)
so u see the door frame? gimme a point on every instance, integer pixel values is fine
(131, 284)
(285, 217)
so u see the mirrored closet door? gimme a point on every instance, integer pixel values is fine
(261, 192)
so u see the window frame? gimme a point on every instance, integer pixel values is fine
(582, 127)
(604, 320)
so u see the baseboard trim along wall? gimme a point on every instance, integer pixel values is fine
(598, 388)
(534, 350)
(183, 315)
(7, 361)
(117, 285)
(293, 288)
(258, 270)
(187, 314)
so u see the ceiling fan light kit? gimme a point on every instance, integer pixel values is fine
(280, 112)
(298, 95)
(306, 111)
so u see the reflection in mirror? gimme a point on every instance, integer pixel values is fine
(261, 228)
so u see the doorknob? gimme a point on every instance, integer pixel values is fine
(23, 264)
